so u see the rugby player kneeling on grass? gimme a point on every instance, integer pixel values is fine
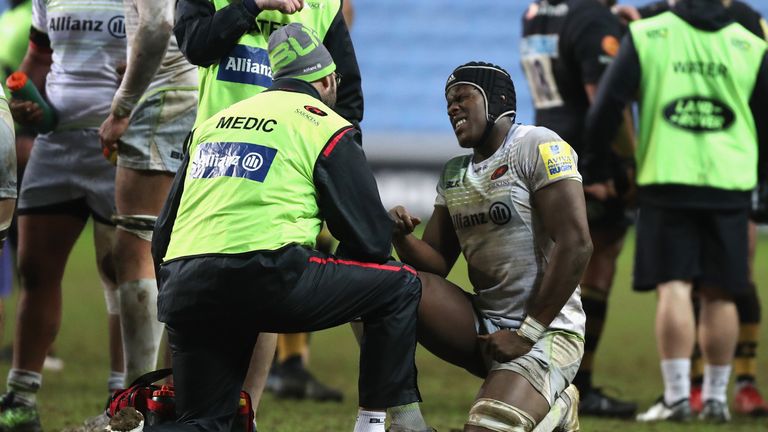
(515, 209)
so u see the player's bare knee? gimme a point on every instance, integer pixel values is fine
(496, 416)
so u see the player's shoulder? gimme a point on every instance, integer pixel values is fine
(532, 136)
(749, 18)
(585, 11)
(740, 9)
(454, 168)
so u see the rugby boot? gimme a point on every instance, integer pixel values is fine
(299, 383)
(696, 403)
(596, 403)
(748, 400)
(570, 420)
(715, 411)
(679, 411)
(17, 417)
(126, 420)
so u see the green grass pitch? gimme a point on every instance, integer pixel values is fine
(626, 361)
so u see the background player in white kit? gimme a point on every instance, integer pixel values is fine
(515, 209)
(75, 48)
(7, 168)
(152, 112)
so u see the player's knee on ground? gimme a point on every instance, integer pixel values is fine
(139, 225)
(498, 416)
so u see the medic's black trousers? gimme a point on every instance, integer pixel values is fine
(215, 306)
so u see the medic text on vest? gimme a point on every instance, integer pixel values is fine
(247, 123)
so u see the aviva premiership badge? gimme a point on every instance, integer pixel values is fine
(557, 158)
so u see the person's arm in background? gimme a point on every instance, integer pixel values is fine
(594, 38)
(148, 47)
(36, 64)
(349, 99)
(349, 200)
(205, 35)
(759, 105)
(348, 9)
(618, 87)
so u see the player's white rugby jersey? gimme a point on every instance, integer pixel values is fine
(175, 70)
(500, 231)
(88, 42)
(5, 113)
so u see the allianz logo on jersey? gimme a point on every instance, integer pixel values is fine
(246, 65)
(115, 25)
(232, 159)
(499, 213)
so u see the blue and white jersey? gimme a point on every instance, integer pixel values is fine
(498, 227)
(89, 43)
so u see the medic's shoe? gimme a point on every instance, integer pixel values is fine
(398, 428)
(596, 403)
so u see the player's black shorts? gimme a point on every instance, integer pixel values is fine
(705, 246)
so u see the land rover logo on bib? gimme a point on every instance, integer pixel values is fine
(699, 114)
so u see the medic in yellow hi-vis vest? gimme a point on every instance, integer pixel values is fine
(235, 240)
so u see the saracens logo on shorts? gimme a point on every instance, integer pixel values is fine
(232, 159)
(246, 65)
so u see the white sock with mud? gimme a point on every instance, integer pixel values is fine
(408, 416)
(24, 384)
(140, 328)
(370, 421)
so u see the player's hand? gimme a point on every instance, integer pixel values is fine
(110, 133)
(25, 113)
(504, 345)
(404, 222)
(626, 13)
(284, 6)
(601, 191)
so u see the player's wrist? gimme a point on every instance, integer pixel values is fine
(531, 330)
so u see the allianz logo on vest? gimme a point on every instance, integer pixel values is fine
(246, 65)
(232, 159)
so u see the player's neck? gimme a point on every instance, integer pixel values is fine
(495, 139)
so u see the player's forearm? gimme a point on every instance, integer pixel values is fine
(420, 255)
(38, 59)
(205, 34)
(148, 49)
(566, 266)
(349, 102)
